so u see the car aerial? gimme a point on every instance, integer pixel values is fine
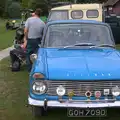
(77, 66)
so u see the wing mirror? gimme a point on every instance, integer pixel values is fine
(39, 45)
(33, 57)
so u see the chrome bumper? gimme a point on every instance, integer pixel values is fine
(73, 104)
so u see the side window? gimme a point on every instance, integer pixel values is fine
(77, 14)
(58, 15)
(92, 13)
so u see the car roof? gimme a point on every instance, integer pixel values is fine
(75, 21)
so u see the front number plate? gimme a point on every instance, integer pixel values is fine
(76, 112)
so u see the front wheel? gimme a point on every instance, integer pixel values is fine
(38, 111)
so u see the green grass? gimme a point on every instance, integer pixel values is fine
(6, 37)
(13, 98)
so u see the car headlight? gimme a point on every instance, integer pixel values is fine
(116, 91)
(60, 90)
(39, 87)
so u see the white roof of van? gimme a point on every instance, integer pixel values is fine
(78, 6)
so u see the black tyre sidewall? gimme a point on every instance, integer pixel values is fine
(38, 111)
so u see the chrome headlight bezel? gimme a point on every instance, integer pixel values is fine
(39, 83)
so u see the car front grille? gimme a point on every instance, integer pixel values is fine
(80, 87)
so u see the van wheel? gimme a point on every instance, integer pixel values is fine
(38, 111)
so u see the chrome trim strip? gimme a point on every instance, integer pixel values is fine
(75, 104)
(103, 101)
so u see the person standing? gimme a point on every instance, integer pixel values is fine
(7, 25)
(33, 31)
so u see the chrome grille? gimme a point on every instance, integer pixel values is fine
(80, 87)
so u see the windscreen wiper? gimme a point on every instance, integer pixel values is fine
(103, 45)
(79, 44)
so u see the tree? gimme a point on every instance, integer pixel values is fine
(25, 3)
(33, 4)
(14, 10)
(47, 4)
(7, 4)
(90, 1)
(2, 7)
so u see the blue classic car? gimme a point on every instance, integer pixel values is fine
(77, 66)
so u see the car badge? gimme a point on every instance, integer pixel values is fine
(97, 94)
(106, 92)
(88, 94)
(71, 94)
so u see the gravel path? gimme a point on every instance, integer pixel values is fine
(5, 53)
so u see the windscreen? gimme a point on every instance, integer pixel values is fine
(59, 35)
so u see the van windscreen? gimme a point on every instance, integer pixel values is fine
(58, 15)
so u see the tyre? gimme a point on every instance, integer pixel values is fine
(15, 66)
(38, 111)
